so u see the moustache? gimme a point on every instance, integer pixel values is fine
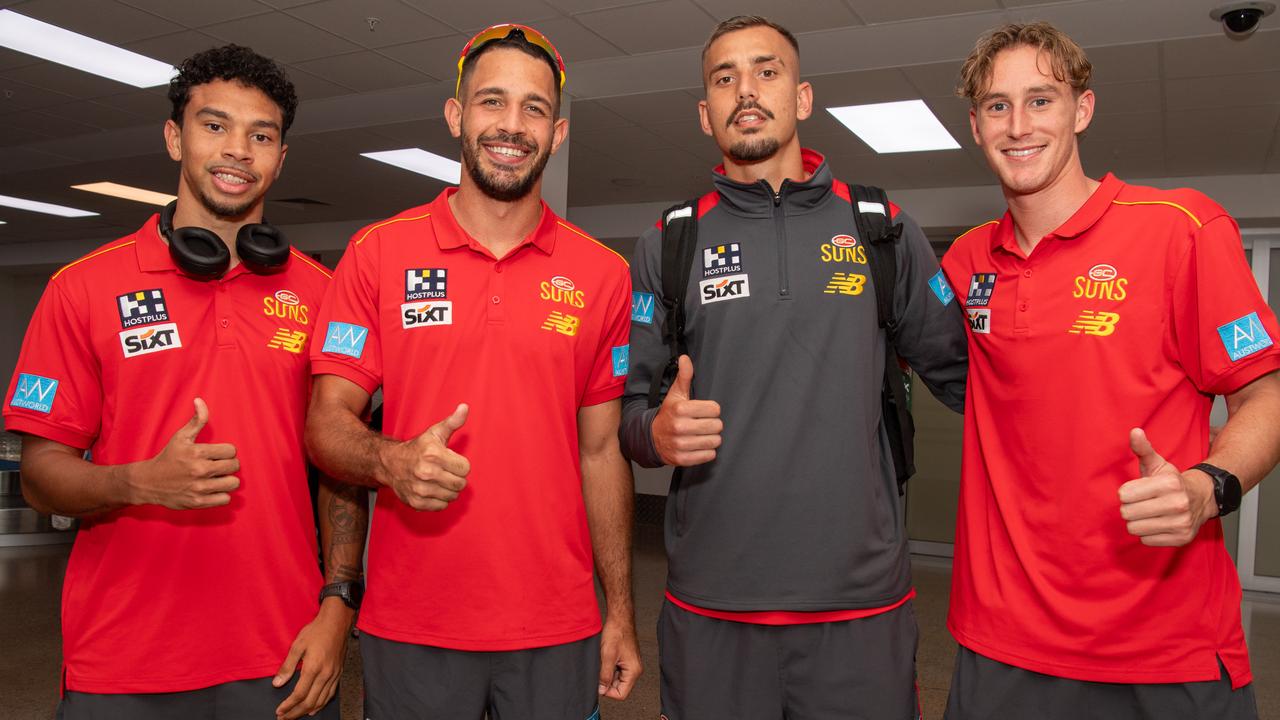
(747, 105)
(518, 139)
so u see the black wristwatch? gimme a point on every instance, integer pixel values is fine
(351, 592)
(1226, 488)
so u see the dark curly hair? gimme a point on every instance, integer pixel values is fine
(238, 63)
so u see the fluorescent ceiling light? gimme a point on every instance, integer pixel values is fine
(422, 162)
(895, 127)
(128, 193)
(40, 207)
(50, 42)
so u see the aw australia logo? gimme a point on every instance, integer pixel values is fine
(425, 290)
(843, 249)
(287, 305)
(34, 392)
(562, 290)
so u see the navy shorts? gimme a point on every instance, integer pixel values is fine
(985, 689)
(228, 701)
(713, 669)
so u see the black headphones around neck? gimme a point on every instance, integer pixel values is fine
(201, 254)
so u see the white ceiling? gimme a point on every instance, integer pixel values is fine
(1176, 97)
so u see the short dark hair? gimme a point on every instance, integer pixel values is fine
(742, 22)
(516, 40)
(236, 63)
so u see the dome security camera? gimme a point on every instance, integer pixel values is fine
(1240, 19)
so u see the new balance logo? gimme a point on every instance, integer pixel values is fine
(288, 340)
(846, 284)
(1101, 324)
(34, 393)
(562, 323)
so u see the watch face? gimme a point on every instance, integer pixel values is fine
(1231, 493)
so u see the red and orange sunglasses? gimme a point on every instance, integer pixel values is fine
(500, 32)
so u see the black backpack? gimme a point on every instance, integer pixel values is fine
(871, 216)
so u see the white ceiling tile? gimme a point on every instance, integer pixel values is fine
(934, 79)
(52, 124)
(621, 141)
(1130, 97)
(197, 14)
(1215, 127)
(1125, 63)
(437, 58)
(1223, 90)
(1134, 126)
(856, 88)
(471, 17)
(68, 81)
(579, 6)
(432, 135)
(1219, 55)
(12, 59)
(655, 107)
(151, 104)
(108, 21)
(591, 115)
(101, 116)
(575, 43)
(309, 86)
(364, 71)
(797, 17)
(657, 26)
(1127, 158)
(396, 24)
(15, 95)
(174, 47)
(878, 11)
(281, 37)
(11, 135)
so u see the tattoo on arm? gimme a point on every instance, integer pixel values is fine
(348, 520)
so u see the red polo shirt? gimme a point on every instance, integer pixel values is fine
(427, 313)
(159, 600)
(1133, 313)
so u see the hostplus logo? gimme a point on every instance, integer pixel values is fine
(425, 284)
(142, 307)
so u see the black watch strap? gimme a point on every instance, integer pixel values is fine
(351, 592)
(1226, 488)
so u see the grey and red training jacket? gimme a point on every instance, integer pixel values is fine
(800, 510)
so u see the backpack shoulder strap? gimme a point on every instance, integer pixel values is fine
(679, 241)
(871, 213)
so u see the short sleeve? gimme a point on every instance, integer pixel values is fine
(56, 390)
(1224, 332)
(350, 346)
(613, 354)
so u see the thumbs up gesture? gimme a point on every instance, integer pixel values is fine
(186, 474)
(424, 473)
(1165, 508)
(686, 432)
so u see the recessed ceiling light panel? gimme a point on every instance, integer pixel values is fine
(43, 207)
(50, 42)
(896, 127)
(422, 162)
(128, 193)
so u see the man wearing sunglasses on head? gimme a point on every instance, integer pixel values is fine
(498, 334)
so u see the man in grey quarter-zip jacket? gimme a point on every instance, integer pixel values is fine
(789, 586)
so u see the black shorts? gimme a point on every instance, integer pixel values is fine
(862, 668)
(404, 680)
(228, 701)
(985, 689)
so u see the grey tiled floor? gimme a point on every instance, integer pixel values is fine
(31, 580)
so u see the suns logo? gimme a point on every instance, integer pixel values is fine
(1102, 282)
(562, 290)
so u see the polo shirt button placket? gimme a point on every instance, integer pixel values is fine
(221, 311)
(1022, 319)
(495, 312)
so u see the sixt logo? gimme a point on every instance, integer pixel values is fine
(844, 248)
(720, 260)
(142, 307)
(642, 308)
(144, 341)
(1101, 283)
(1100, 324)
(425, 283)
(34, 393)
(979, 320)
(425, 314)
(345, 339)
(727, 288)
(562, 290)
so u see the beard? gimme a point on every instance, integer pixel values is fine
(752, 150)
(225, 211)
(502, 184)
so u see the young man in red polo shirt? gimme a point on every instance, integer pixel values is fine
(498, 334)
(1091, 579)
(192, 588)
